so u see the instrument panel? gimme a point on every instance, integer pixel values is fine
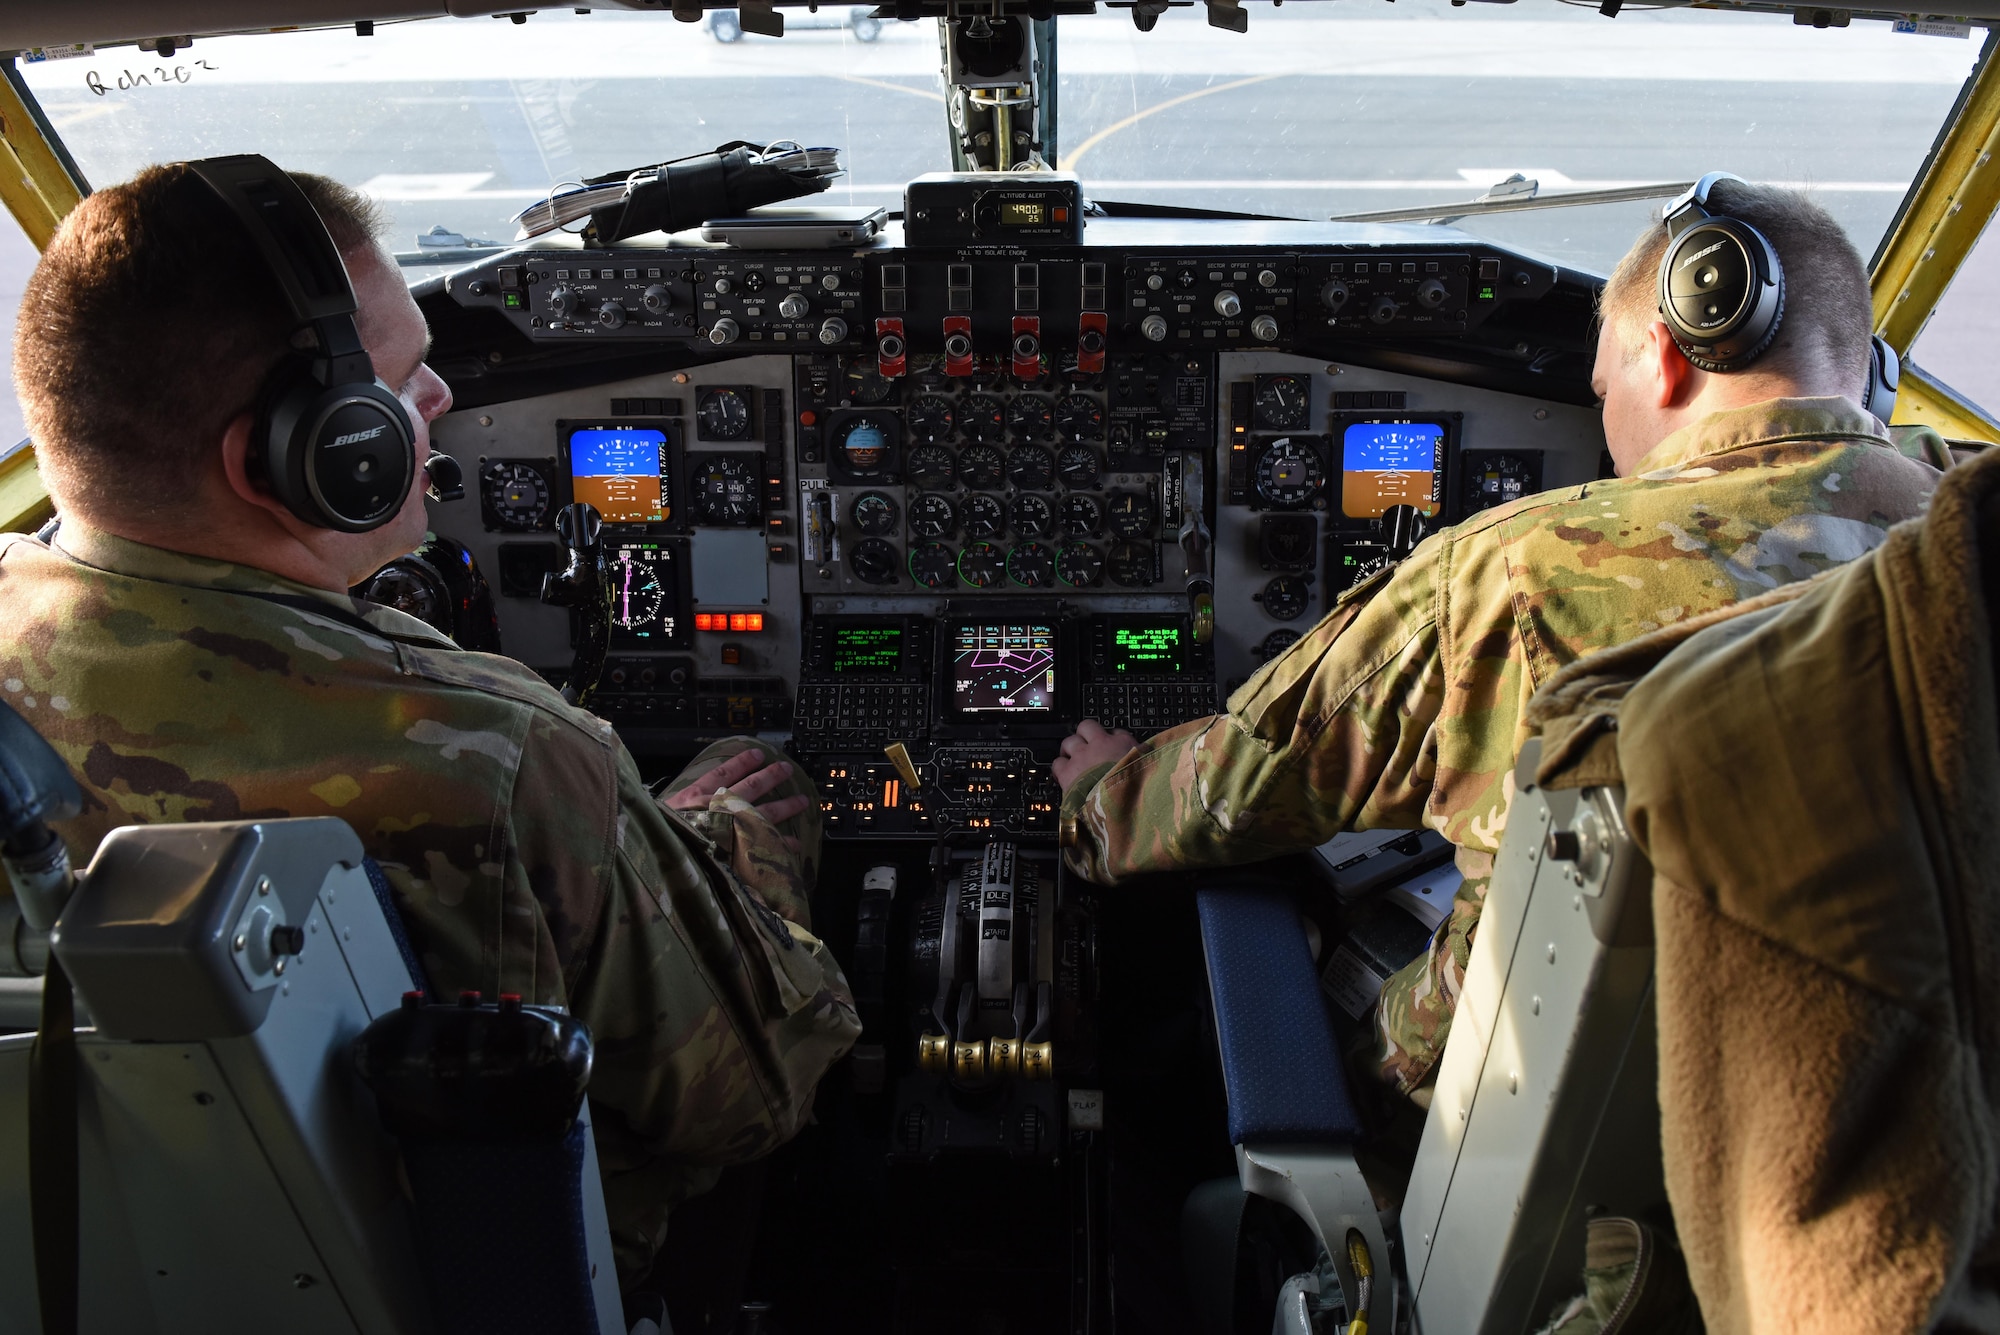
(959, 500)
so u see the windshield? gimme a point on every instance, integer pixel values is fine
(1320, 109)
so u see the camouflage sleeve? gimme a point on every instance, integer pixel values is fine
(1333, 734)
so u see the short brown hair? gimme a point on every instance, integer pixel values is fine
(148, 326)
(1829, 317)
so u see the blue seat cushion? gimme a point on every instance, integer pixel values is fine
(1279, 1060)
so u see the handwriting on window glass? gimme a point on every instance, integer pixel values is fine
(162, 77)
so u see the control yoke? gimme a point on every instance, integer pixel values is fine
(35, 788)
(584, 588)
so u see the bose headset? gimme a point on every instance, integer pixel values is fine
(331, 440)
(1722, 293)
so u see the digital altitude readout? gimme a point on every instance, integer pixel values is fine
(1004, 669)
(1383, 464)
(1152, 650)
(1023, 213)
(873, 650)
(618, 470)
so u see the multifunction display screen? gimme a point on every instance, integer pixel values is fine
(1146, 648)
(874, 650)
(620, 471)
(1383, 464)
(645, 596)
(1003, 669)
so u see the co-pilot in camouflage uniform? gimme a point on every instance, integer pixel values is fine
(1403, 706)
(526, 854)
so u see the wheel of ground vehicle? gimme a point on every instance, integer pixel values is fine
(866, 27)
(724, 25)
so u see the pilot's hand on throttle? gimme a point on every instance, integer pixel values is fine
(745, 775)
(1087, 748)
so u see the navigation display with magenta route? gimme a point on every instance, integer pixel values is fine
(1391, 463)
(619, 470)
(1003, 669)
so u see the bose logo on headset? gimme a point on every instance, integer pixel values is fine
(310, 407)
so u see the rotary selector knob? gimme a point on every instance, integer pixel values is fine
(794, 307)
(723, 287)
(1228, 305)
(1264, 329)
(1384, 310)
(833, 329)
(1267, 278)
(656, 299)
(562, 301)
(1154, 282)
(723, 331)
(1334, 295)
(958, 346)
(831, 282)
(611, 315)
(1154, 327)
(1432, 294)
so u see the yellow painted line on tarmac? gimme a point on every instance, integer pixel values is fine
(1069, 163)
(931, 93)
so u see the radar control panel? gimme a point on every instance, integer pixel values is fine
(954, 500)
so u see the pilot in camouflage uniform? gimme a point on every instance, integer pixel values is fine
(1404, 706)
(526, 854)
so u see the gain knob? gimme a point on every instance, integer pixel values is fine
(611, 315)
(1384, 310)
(833, 329)
(1334, 295)
(1264, 329)
(1228, 305)
(723, 331)
(562, 301)
(1432, 294)
(794, 307)
(958, 345)
(1154, 327)
(657, 299)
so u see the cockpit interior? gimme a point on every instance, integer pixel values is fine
(965, 370)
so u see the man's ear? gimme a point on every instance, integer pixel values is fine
(243, 477)
(1673, 376)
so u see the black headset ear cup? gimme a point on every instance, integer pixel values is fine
(1722, 293)
(340, 457)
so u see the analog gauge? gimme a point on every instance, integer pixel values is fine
(1131, 564)
(932, 516)
(1496, 479)
(723, 491)
(1286, 597)
(983, 417)
(980, 467)
(1032, 517)
(866, 383)
(1289, 473)
(1078, 564)
(873, 561)
(863, 443)
(723, 414)
(1079, 418)
(1082, 516)
(412, 586)
(982, 565)
(930, 466)
(1029, 417)
(1283, 402)
(984, 517)
(516, 495)
(1032, 565)
(874, 514)
(932, 565)
(930, 418)
(1130, 514)
(1275, 643)
(1078, 467)
(1031, 468)
(636, 594)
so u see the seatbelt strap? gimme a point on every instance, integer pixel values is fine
(53, 1202)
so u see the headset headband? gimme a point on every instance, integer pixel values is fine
(1694, 203)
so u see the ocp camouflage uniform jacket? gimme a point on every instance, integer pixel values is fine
(526, 854)
(1404, 706)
